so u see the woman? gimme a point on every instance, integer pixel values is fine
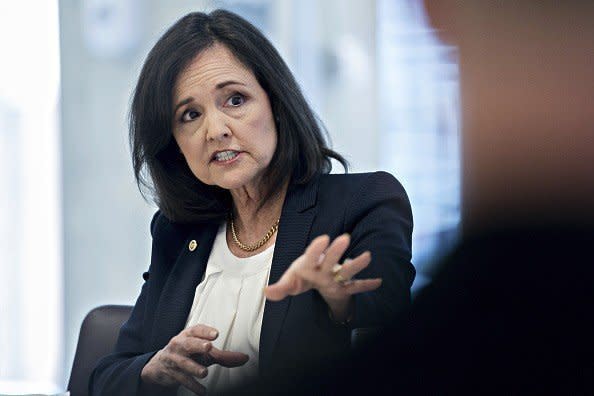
(249, 265)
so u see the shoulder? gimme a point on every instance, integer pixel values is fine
(166, 232)
(380, 182)
(358, 194)
(170, 238)
(160, 224)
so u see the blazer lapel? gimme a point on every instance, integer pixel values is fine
(177, 296)
(291, 241)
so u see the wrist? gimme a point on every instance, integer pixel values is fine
(145, 375)
(340, 311)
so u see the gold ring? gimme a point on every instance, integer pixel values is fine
(338, 278)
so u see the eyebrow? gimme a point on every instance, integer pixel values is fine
(228, 82)
(183, 102)
(220, 85)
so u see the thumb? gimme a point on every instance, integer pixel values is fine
(281, 289)
(275, 292)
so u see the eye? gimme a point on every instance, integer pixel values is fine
(236, 100)
(189, 115)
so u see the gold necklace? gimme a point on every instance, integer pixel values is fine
(257, 245)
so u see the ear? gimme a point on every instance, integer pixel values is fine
(443, 15)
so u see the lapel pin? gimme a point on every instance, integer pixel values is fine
(193, 245)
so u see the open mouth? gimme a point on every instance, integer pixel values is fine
(225, 156)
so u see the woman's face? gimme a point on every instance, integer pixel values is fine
(223, 122)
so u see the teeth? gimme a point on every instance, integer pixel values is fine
(226, 155)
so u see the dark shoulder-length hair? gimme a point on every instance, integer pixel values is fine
(159, 167)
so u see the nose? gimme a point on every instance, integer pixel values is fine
(217, 128)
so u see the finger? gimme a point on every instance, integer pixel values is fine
(188, 381)
(314, 254)
(288, 285)
(190, 367)
(302, 269)
(186, 345)
(228, 358)
(193, 346)
(335, 252)
(352, 267)
(361, 285)
(278, 291)
(202, 331)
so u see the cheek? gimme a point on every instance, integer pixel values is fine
(267, 140)
(192, 155)
(274, 142)
(180, 142)
(267, 137)
(189, 148)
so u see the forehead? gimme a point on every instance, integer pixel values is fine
(211, 67)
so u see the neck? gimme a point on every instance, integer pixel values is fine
(251, 218)
(249, 208)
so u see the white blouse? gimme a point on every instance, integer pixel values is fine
(231, 299)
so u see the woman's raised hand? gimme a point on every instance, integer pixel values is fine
(186, 357)
(318, 268)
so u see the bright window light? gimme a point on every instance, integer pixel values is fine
(30, 230)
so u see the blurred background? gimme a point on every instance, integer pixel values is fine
(373, 70)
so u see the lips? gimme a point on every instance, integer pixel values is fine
(224, 155)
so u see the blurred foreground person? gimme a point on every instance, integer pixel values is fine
(259, 255)
(511, 310)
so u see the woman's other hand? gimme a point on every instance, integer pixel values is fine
(317, 269)
(186, 357)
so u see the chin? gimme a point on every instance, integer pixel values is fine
(239, 181)
(231, 184)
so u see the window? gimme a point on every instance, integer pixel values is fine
(30, 236)
(419, 124)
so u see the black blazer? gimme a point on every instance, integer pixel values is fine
(373, 208)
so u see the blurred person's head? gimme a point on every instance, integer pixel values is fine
(177, 69)
(527, 90)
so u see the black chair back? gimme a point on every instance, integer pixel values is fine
(97, 338)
